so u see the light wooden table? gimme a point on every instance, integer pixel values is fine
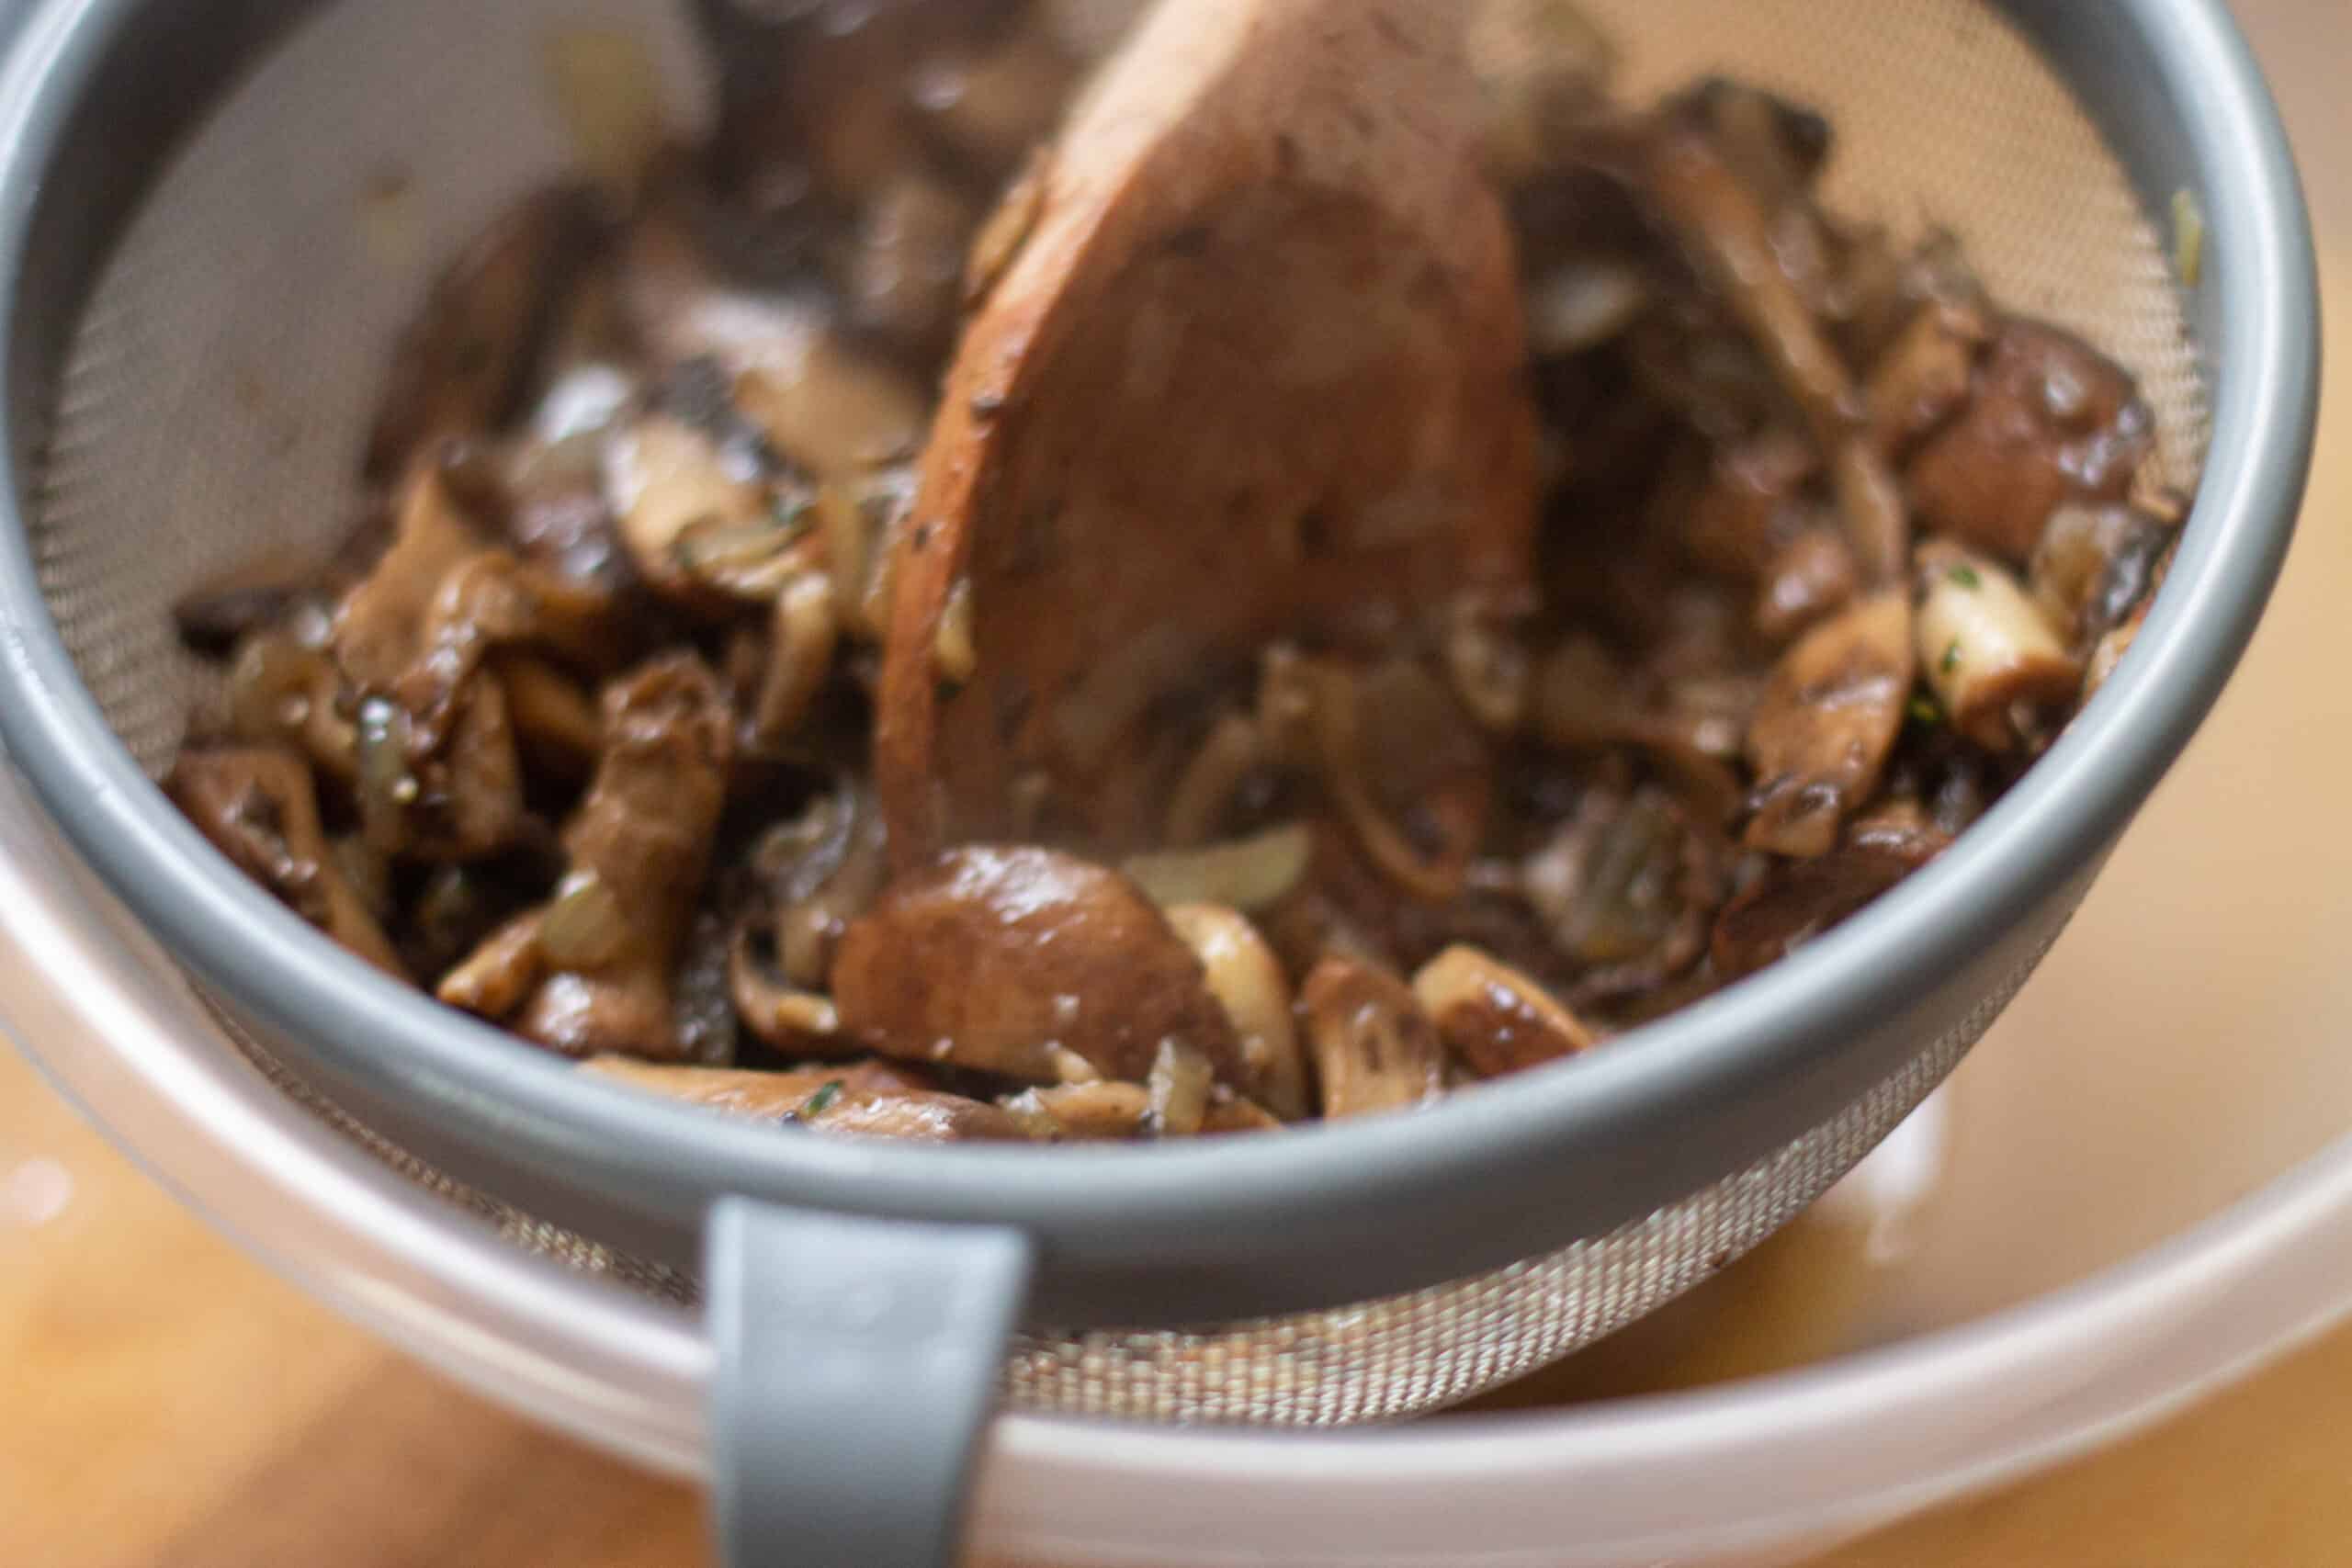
(166, 1403)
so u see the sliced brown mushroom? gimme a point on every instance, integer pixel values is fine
(1728, 229)
(2109, 651)
(988, 104)
(804, 631)
(1741, 519)
(1992, 656)
(1494, 1018)
(1812, 576)
(701, 526)
(437, 763)
(500, 975)
(1584, 699)
(2051, 420)
(768, 1096)
(1120, 1112)
(380, 627)
(903, 275)
(258, 806)
(2096, 564)
(600, 955)
(1248, 981)
(1829, 720)
(1624, 890)
(869, 1100)
(1005, 959)
(1796, 903)
(1176, 1094)
(555, 720)
(466, 363)
(912, 1116)
(797, 1022)
(1399, 757)
(1374, 1049)
(819, 871)
(1544, 69)
(281, 693)
(1925, 377)
(823, 404)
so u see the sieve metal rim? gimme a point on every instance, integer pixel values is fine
(1280, 1225)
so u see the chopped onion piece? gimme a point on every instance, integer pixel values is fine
(1247, 874)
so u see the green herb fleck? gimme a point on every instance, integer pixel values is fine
(1925, 711)
(1952, 658)
(822, 1101)
(1965, 576)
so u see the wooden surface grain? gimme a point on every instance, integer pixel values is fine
(166, 1403)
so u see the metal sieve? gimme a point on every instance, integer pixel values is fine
(214, 219)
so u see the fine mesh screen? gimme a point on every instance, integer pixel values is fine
(213, 407)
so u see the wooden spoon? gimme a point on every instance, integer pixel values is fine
(1255, 371)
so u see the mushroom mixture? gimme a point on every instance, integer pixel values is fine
(577, 731)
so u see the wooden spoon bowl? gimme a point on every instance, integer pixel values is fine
(1255, 371)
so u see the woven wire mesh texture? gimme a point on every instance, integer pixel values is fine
(215, 396)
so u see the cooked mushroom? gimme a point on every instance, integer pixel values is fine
(1544, 69)
(604, 949)
(1726, 227)
(434, 750)
(1991, 657)
(1248, 981)
(1793, 904)
(904, 275)
(2096, 564)
(819, 871)
(1741, 520)
(464, 365)
(994, 958)
(820, 403)
(1119, 1112)
(281, 693)
(766, 1096)
(1828, 720)
(258, 808)
(990, 105)
(798, 1022)
(1625, 889)
(379, 629)
(498, 976)
(1409, 513)
(1924, 379)
(1374, 1049)
(910, 1116)
(866, 1100)
(701, 527)
(1812, 576)
(555, 719)
(1176, 1095)
(2109, 651)
(1398, 756)
(2050, 420)
(805, 631)
(1496, 1019)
